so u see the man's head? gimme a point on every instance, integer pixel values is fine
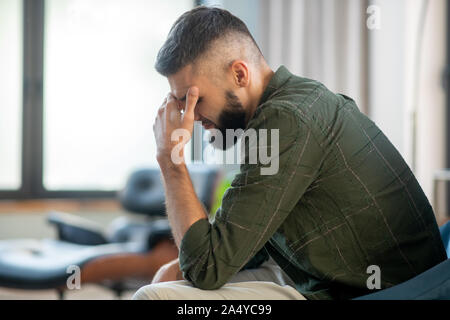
(213, 50)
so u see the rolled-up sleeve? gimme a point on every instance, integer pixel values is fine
(255, 205)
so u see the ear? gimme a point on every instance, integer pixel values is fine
(241, 73)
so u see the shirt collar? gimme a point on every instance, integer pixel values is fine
(278, 80)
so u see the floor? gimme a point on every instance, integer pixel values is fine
(87, 292)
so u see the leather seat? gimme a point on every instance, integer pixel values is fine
(43, 264)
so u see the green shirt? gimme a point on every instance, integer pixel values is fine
(342, 200)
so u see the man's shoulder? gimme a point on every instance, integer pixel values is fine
(295, 91)
(302, 94)
(296, 99)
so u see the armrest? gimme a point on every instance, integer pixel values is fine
(75, 229)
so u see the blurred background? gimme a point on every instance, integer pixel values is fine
(78, 93)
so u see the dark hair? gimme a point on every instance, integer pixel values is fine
(192, 34)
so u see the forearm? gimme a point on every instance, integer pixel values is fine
(182, 205)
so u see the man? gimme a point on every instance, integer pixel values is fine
(342, 202)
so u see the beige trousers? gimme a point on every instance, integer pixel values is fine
(268, 282)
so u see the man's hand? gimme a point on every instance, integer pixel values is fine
(182, 205)
(171, 126)
(168, 272)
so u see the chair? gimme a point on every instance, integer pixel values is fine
(123, 256)
(433, 284)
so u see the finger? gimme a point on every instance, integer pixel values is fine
(191, 102)
(171, 101)
(171, 108)
(161, 109)
(161, 112)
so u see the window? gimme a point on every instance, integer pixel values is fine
(79, 93)
(10, 94)
(101, 91)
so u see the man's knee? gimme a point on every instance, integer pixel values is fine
(149, 292)
(162, 291)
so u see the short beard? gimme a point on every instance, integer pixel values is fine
(232, 117)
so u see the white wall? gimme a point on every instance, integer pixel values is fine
(431, 140)
(387, 71)
(406, 97)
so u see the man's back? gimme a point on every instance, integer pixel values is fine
(342, 200)
(362, 205)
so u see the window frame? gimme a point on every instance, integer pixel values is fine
(446, 85)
